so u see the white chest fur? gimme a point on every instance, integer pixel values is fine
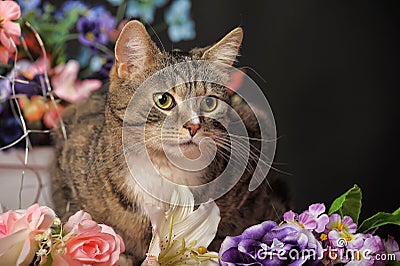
(156, 170)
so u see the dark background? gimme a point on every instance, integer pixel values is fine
(332, 79)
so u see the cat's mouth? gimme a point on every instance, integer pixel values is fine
(190, 149)
(187, 143)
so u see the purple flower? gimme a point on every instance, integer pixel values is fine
(94, 27)
(35, 86)
(343, 239)
(392, 247)
(304, 220)
(10, 130)
(369, 254)
(317, 212)
(270, 244)
(310, 219)
(342, 232)
(346, 224)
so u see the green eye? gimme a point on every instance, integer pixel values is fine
(209, 104)
(164, 101)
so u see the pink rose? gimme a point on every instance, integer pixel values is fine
(71, 227)
(89, 243)
(17, 232)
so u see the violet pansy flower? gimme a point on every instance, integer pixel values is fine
(95, 26)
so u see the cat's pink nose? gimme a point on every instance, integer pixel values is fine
(193, 128)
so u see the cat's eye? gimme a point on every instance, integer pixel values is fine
(209, 104)
(164, 101)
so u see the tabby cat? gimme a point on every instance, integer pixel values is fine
(91, 173)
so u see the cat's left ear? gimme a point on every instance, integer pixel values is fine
(134, 50)
(226, 50)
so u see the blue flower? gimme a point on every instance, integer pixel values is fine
(181, 26)
(10, 131)
(31, 86)
(28, 5)
(74, 5)
(143, 9)
(115, 2)
(94, 27)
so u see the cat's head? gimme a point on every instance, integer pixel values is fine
(178, 118)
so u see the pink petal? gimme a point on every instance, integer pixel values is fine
(289, 216)
(13, 28)
(10, 10)
(307, 221)
(80, 91)
(322, 221)
(316, 209)
(334, 221)
(74, 220)
(48, 219)
(349, 224)
(89, 85)
(4, 55)
(71, 70)
(59, 260)
(357, 242)
(12, 246)
(88, 225)
(333, 237)
(5, 41)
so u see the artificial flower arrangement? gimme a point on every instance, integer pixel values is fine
(42, 71)
(38, 78)
(181, 236)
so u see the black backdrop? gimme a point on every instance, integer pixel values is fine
(331, 70)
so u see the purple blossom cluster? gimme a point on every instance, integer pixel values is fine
(95, 26)
(309, 238)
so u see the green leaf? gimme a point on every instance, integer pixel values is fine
(348, 204)
(379, 219)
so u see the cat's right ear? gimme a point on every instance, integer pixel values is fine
(226, 50)
(134, 50)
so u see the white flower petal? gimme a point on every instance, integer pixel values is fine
(200, 225)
